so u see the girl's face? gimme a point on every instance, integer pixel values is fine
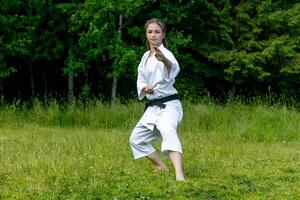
(154, 35)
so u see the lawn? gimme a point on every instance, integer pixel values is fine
(227, 155)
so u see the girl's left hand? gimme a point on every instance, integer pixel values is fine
(159, 55)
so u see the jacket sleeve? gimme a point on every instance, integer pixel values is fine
(141, 82)
(169, 76)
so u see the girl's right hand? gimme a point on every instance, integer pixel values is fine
(148, 90)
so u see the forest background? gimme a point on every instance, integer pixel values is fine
(91, 49)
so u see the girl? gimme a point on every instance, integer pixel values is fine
(163, 112)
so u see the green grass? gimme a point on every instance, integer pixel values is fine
(82, 152)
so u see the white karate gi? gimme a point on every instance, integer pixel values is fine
(157, 122)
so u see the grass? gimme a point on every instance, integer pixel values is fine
(82, 152)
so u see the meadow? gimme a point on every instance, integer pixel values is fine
(81, 151)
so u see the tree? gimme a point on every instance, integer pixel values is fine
(264, 37)
(246, 46)
(99, 24)
(14, 37)
(33, 42)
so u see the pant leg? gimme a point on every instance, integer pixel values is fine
(167, 123)
(140, 141)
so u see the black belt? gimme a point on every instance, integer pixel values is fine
(160, 102)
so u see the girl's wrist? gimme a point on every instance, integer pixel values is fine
(167, 63)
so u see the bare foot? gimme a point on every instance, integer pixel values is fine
(161, 169)
(180, 178)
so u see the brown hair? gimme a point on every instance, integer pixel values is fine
(162, 26)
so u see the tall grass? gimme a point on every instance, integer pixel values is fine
(257, 121)
(246, 122)
(92, 115)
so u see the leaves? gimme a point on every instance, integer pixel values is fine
(263, 38)
(247, 43)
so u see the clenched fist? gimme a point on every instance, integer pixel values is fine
(161, 57)
(148, 90)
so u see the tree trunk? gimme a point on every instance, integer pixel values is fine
(32, 83)
(70, 88)
(115, 79)
(231, 97)
(45, 86)
(114, 91)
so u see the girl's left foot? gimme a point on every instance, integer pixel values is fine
(161, 169)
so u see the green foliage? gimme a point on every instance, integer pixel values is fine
(249, 44)
(102, 36)
(265, 39)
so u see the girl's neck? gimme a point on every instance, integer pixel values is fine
(151, 47)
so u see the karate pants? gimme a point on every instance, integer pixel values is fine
(165, 128)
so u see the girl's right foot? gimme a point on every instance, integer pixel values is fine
(180, 178)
